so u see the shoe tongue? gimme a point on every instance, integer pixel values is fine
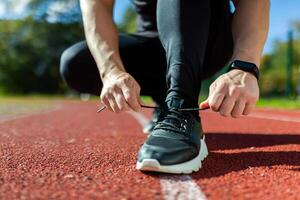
(175, 103)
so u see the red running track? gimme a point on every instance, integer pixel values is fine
(74, 153)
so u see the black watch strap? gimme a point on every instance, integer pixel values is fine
(245, 66)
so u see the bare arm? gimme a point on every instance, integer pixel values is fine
(120, 90)
(250, 29)
(101, 34)
(236, 92)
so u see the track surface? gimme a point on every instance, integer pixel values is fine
(74, 153)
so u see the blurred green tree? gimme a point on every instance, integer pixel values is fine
(30, 52)
(273, 66)
(128, 24)
(31, 47)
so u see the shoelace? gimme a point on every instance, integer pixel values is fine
(174, 120)
(156, 107)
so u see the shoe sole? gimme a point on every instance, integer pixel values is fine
(183, 168)
(146, 131)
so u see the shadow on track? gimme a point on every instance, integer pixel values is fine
(219, 163)
(220, 141)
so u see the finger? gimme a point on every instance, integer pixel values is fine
(121, 102)
(216, 96)
(238, 108)
(248, 108)
(132, 100)
(227, 106)
(212, 87)
(204, 104)
(106, 103)
(113, 104)
(215, 101)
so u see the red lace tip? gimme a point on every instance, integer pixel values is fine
(204, 105)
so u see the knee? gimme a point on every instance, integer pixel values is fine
(70, 64)
(67, 63)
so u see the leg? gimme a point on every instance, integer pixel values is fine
(220, 42)
(183, 29)
(78, 69)
(177, 144)
(143, 59)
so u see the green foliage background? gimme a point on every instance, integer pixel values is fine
(30, 50)
(273, 67)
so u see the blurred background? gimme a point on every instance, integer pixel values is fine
(34, 33)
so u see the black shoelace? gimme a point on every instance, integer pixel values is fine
(156, 107)
(175, 121)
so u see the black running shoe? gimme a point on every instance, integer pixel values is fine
(150, 126)
(176, 144)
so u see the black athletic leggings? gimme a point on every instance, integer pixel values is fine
(195, 41)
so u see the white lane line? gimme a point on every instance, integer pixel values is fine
(274, 117)
(174, 187)
(180, 187)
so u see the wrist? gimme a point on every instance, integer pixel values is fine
(251, 57)
(244, 66)
(111, 73)
(240, 73)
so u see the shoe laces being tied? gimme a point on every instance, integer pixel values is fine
(175, 121)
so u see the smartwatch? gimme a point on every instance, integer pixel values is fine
(245, 66)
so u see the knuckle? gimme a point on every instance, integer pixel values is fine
(214, 107)
(129, 98)
(235, 91)
(212, 86)
(224, 114)
(252, 98)
(123, 81)
(123, 106)
(114, 87)
(222, 85)
(246, 113)
(104, 96)
(235, 115)
(116, 109)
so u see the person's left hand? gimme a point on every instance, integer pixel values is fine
(233, 94)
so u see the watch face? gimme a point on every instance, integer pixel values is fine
(246, 66)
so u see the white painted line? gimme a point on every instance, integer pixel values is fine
(174, 187)
(274, 117)
(180, 188)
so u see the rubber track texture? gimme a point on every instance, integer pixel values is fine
(74, 153)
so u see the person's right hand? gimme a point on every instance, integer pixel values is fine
(120, 92)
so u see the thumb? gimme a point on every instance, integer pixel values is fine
(204, 104)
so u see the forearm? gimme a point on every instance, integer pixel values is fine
(250, 29)
(101, 35)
